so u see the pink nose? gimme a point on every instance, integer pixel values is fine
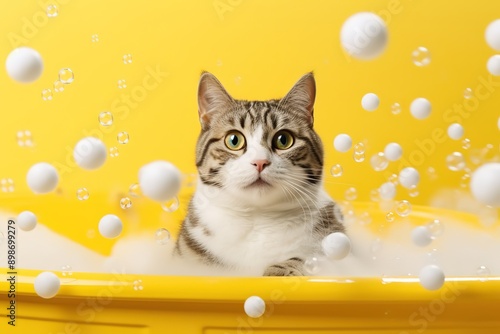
(261, 164)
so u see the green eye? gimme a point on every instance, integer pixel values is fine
(235, 141)
(283, 140)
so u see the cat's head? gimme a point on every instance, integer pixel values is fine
(259, 149)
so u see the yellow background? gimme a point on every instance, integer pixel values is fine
(258, 49)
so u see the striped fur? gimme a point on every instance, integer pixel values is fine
(271, 227)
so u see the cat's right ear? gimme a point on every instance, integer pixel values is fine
(212, 97)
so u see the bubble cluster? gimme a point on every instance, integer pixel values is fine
(359, 152)
(466, 143)
(162, 236)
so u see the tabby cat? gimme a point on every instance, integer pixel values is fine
(259, 206)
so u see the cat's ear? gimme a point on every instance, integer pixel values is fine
(212, 97)
(302, 95)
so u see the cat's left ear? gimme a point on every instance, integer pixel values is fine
(212, 98)
(302, 95)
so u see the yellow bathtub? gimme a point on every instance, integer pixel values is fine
(258, 49)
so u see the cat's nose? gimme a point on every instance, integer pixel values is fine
(261, 164)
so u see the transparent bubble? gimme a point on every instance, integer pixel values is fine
(7, 185)
(375, 195)
(413, 191)
(162, 236)
(358, 157)
(122, 84)
(189, 180)
(67, 270)
(395, 108)
(47, 94)
(476, 156)
(95, 38)
(171, 205)
(135, 190)
(488, 215)
(488, 152)
(390, 216)
(125, 203)
(114, 152)
(122, 137)
(436, 228)
(468, 93)
(82, 194)
(105, 118)
(347, 208)
(483, 273)
(379, 162)
(24, 138)
(365, 218)
(421, 56)
(431, 173)
(465, 180)
(66, 76)
(432, 256)
(127, 58)
(393, 178)
(455, 161)
(403, 208)
(359, 148)
(311, 265)
(52, 10)
(138, 285)
(466, 143)
(58, 86)
(351, 194)
(336, 170)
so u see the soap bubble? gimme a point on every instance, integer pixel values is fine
(370, 102)
(82, 194)
(379, 162)
(135, 190)
(105, 118)
(122, 84)
(66, 76)
(431, 277)
(359, 148)
(122, 137)
(95, 38)
(342, 142)
(24, 65)
(375, 195)
(358, 157)
(420, 108)
(387, 191)
(127, 58)
(162, 236)
(47, 94)
(466, 144)
(58, 86)
(125, 203)
(114, 152)
(336, 170)
(431, 173)
(137, 284)
(389, 217)
(351, 194)
(311, 265)
(403, 208)
(67, 270)
(393, 178)
(171, 205)
(395, 108)
(413, 191)
(468, 93)
(24, 138)
(465, 180)
(52, 10)
(455, 161)
(7, 185)
(436, 228)
(483, 273)
(421, 56)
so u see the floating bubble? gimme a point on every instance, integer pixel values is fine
(396, 108)
(358, 157)
(160, 180)
(90, 153)
(485, 184)
(375, 195)
(67, 270)
(105, 118)
(47, 284)
(465, 180)
(413, 191)
(162, 236)
(370, 102)
(24, 138)
(47, 94)
(137, 284)
(7, 185)
(359, 148)
(393, 151)
(431, 277)
(135, 190)
(336, 246)
(493, 65)
(455, 131)
(58, 86)
(122, 84)
(52, 10)
(342, 142)
(492, 35)
(390, 217)
(421, 236)
(403, 208)
(254, 307)
(379, 162)
(431, 173)
(351, 194)
(387, 191)
(393, 178)
(483, 273)
(42, 178)
(127, 58)
(82, 194)
(409, 177)
(122, 137)
(27, 220)
(94, 38)
(66, 76)
(171, 205)
(421, 56)
(110, 226)
(365, 218)
(336, 170)
(468, 93)
(24, 65)
(420, 108)
(114, 152)
(436, 228)
(311, 265)
(466, 144)
(455, 161)
(125, 203)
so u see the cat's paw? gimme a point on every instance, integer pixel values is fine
(291, 267)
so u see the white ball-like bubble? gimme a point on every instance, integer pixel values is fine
(342, 142)
(26, 220)
(393, 151)
(42, 178)
(160, 180)
(420, 108)
(431, 277)
(493, 65)
(336, 246)
(24, 65)
(254, 306)
(110, 226)
(492, 35)
(421, 236)
(409, 177)
(455, 131)
(485, 184)
(387, 191)
(364, 35)
(370, 102)
(90, 153)
(47, 284)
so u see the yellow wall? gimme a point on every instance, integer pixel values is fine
(258, 49)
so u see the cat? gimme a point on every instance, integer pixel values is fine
(259, 205)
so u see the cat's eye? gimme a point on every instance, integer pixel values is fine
(235, 140)
(283, 140)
